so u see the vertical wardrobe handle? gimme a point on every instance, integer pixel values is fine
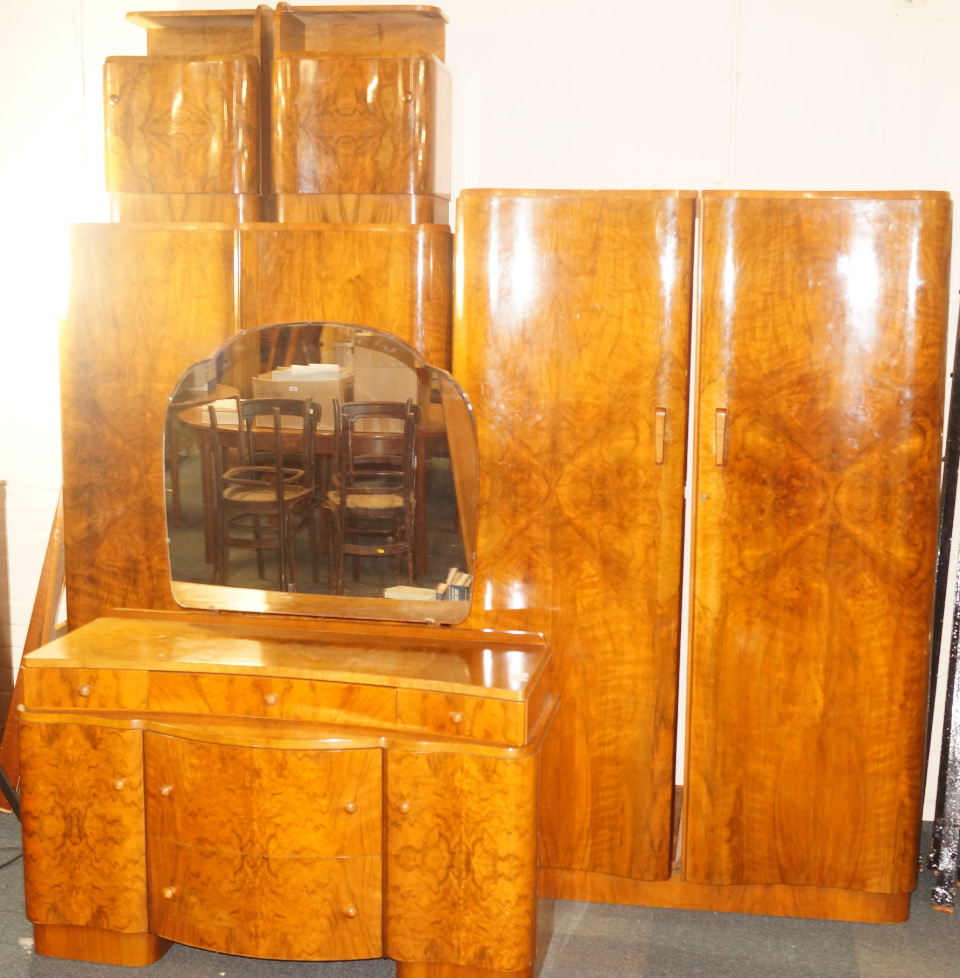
(660, 428)
(720, 435)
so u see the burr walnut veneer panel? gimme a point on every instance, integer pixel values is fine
(823, 325)
(176, 126)
(241, 829)
(83, 826)
(447, 819)
(572, 340)
(397, 279)
(145, 302)
(361, 125)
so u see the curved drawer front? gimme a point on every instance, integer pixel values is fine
(93, 689)
(291, 909)
(262, 801)
(453, 714)
(267, 696)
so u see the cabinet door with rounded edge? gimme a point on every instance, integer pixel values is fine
(572, 336)
(84, 853)
(815, 532)
(461, 866)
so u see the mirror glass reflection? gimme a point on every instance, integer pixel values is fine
(396, 543)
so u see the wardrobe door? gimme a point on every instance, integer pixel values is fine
(823, 325)
(572, 340)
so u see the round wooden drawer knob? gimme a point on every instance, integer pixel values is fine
(270, 699)
(84, 690)
(404, 807)
(167, 892)
(457, 718)
(350, 807)
(350, 911)
(165, 790)
(120, 784)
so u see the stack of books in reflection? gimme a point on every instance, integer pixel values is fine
(456, 587)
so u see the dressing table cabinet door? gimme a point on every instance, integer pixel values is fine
(461, 864)
(83, 826)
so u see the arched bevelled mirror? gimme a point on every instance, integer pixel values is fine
(325, 362)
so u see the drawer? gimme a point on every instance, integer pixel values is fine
(94, 689)
(264, 801)
(465, 716)
(283, 908)
(267, 696)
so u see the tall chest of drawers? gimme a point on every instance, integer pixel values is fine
(285, 794)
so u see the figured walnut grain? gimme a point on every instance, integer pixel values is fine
(266, 907)
(823, 326)
(264, 802)
(461, 869)
(144, 304)
(571, 333)
(83, 826)
(361, 126)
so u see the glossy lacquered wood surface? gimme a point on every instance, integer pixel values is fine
(98, 944)
(144, 303)
(147, 302)
(280, 803)
(362, 209)
(185, 208)
(202, 32)
(823, 324)
(361, 125)
(178, 126)
(500, 672)
(82, 811)
(780, 900)
(269, 836)
(571, 334)
(387, 30)
(461, 860)
(259, 906)
(397, 279)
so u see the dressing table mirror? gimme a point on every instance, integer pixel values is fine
(325, 362)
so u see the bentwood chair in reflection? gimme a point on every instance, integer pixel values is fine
(262, 501)
(370, 507)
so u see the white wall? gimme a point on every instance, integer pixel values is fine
(824, 94)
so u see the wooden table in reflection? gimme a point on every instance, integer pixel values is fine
(431, 440)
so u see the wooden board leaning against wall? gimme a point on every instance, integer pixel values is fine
(146, 302)
(571, 336)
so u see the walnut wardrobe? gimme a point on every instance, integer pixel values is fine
(814, 488)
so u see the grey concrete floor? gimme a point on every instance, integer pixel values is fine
(589, 941)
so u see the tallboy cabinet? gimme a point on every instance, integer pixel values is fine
(185, 125)
(267, 793)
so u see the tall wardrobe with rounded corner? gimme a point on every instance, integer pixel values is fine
(817, 407)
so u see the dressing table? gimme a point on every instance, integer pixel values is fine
(283, 793)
